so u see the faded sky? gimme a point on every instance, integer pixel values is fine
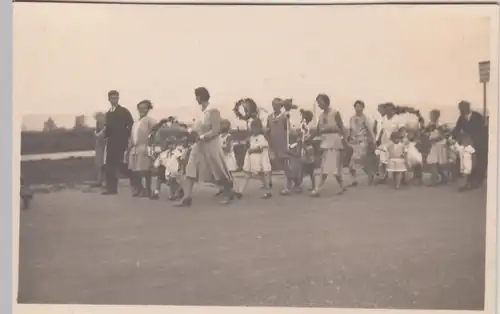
(67, 56)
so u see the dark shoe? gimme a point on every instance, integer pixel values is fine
(109, 193)
(180, 195)
(464, 188)
(219, 193)
(186, 202)
(154, 196)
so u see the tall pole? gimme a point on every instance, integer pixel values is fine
(484, 102)
(484, 77)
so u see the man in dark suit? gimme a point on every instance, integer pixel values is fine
(472, 123)
(118, 127)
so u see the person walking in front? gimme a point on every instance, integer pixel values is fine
(206, 161)
(362, 141)
(139, 160)
(118, 127)
(332, 131)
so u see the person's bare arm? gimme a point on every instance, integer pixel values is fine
(340, 124)
(371, 130)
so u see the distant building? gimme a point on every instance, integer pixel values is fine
(49, 125)
(80, 123)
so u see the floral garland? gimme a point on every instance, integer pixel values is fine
(400, 110)
(250, 109)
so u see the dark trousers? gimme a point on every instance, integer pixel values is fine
(114, 166)
(479, 171)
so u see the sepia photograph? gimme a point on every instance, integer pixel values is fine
(255, 156)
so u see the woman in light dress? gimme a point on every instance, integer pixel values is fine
(361, 139)
(100, 148)
(206, 161)
(140, 160)
(332, 132)
(438, 155)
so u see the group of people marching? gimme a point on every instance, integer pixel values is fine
(387, 148)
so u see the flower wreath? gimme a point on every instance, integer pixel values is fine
(250, 109)
(410, 110)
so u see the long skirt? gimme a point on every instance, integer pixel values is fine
(438, 154)
(413, 156)
(139, 159)
(100, 151)
(331, 162)
(206, 163)
(257, 163)
(396, 165)
(230, 159)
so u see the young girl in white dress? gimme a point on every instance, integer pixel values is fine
(396, 164)
(227, 149)
(227, 146)
(467, 156)
(257, 162)
(414, 160)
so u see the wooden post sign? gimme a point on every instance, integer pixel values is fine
(484, 78)
(484, 71)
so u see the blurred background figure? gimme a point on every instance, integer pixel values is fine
(100, 148)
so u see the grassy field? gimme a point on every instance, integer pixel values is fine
(418, 248)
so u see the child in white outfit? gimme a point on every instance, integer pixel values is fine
(169, 161)
(413, 156)
(397, 159)
(257, 161)
(467, 156)
(227, 146)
